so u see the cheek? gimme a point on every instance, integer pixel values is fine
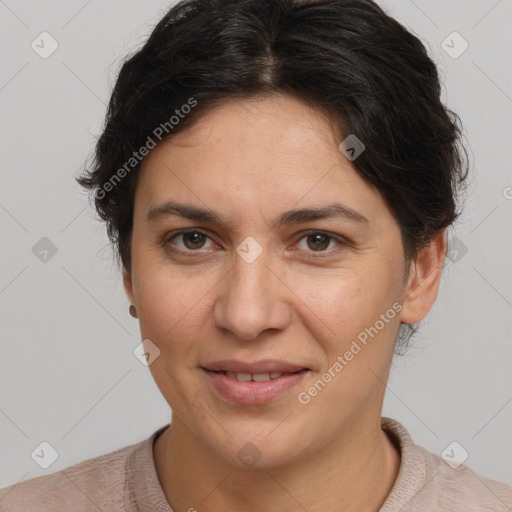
(358, 345)
(172, 309)
(172, 316)
(357, 327)
(345, 302)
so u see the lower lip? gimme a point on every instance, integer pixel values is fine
(254, 393)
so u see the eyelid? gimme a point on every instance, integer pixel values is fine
(342, 241)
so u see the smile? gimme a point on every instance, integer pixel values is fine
(255, 377)
(249, 383)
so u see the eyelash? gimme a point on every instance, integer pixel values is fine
(319, 254)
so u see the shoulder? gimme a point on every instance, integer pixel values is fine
(461, 488)
(93, 484)
(427, 482)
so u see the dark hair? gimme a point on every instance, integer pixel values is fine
(348, 58)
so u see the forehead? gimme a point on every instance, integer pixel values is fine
(253, 155)
(261, 129)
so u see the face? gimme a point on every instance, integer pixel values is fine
(272, 328)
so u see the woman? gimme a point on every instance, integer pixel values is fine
(278, 178)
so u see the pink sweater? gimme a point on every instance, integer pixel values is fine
(126, 480)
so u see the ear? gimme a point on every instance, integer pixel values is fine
(424, 278)
(128, 286)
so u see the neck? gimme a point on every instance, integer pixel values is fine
(355, 471)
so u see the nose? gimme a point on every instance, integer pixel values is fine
(252, 299)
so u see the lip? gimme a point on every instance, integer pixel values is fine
(251, 392)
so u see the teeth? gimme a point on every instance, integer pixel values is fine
(256, 377)
(259, 377)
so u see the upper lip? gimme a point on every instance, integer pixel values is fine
(262, 366)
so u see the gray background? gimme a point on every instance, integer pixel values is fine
(68, 374)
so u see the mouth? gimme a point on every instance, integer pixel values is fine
(253, 383)
(254, 377)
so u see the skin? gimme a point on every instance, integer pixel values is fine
(250, 160)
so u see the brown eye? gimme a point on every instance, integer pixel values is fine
(319, 241)
(191, 241)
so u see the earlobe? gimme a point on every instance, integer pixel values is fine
(424, 278)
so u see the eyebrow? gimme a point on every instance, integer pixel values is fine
(334, 210)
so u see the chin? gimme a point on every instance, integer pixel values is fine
(260, 448)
